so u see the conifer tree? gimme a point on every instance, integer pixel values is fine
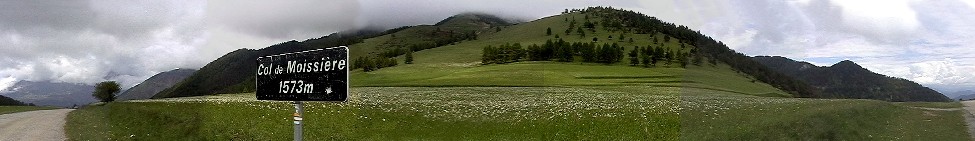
(408, 58)
(634, 60)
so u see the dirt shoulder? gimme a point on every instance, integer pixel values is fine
(970, 117)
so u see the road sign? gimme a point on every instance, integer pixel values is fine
(313, 75)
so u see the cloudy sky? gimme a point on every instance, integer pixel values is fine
(931, 42)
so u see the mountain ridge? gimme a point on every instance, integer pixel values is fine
(156, 83)
(846, 79)
(964, 95)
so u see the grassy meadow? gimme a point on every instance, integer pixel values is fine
(396, 113)
(549, 101)
(736, 117)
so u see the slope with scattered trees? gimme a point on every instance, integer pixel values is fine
(667, 45)
(625, 20)
(224, 75)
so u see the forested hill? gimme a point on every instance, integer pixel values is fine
(233, 72)
(846, 79)
(7, 101)
(618, 19)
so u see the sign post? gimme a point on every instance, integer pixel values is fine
(313, 75)
(297, 117)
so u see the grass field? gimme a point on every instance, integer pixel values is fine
(528, 101)
(539, 101)
(731, 117)
(397, 113)
(14, 109)
(942, 105)
(519, 113)
(562, 74)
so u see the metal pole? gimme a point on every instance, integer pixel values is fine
(297, 118)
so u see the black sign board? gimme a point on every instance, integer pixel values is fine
(313, 75)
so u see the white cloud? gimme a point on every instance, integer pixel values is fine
(883, 20)
(738, 40)
(691, 13)
(91, 41)
(970, 3)
(6, 82)
(851, 46)
(946, 71)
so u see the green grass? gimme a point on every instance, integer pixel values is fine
(562, 74)
(943, 105)
(395, 113)
(15, 109)
(519, 113)
(735, 117)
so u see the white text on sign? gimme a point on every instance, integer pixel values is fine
(302, 66)
(295, 86)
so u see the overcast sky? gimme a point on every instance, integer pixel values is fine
(77, 41)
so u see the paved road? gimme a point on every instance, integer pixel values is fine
(41, 125)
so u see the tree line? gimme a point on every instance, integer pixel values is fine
(606, 53)
(368, 64)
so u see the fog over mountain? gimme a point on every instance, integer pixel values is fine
(87, 41)
(51, 93)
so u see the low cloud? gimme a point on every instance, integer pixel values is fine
(91, 41)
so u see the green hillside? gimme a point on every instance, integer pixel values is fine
(458, 64)
(7, 101)
(448, 93)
